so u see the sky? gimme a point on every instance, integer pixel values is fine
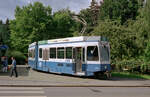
(7, 7)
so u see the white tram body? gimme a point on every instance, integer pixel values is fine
(83, 56)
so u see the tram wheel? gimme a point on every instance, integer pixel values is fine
(108, 74)
(103, 75)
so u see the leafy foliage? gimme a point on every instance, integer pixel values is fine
(19, 56)
(147, 11)
(36, 22)
(119, 9)
(4, 33)
(64, 25)
(32, 23)
(126, 24)
(121, 39)
(86, 14)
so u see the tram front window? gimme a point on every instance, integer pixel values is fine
(104, 53)
(92, 53)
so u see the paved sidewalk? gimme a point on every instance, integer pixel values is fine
(34, 78)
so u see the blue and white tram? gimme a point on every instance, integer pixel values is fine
(83, 56)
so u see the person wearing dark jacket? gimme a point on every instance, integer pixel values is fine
(5, 64)
(13, 67)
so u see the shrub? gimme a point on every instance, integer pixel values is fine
(131, 65)
(145, 68)
(19, 56)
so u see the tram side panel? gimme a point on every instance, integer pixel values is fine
(56, 67)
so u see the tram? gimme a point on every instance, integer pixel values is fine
(81, 56)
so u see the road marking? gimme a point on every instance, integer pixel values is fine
(33, 91)
(20, 92)
(20, 88)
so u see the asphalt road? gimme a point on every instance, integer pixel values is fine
(36, 78)
(74, 92)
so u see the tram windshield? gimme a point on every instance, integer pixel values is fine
(92, 53)
(104, 53)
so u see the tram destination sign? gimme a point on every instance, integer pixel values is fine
(43, 42)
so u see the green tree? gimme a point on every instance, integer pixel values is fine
(119, 9)
(147, 13)
(146, 27)
(63, 23)
(121, 39)
(4, 33)
(94, 10)
(32, 23)
(86, 14)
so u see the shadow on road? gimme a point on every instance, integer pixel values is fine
(95, 77)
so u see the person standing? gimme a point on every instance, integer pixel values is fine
(5, 64)
(13, 67)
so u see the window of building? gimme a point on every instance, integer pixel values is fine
(69, 53)
(52, 52)
(60, 53)
(92, 53)
(40, 53)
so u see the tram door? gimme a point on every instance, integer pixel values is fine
(78, 59)
(45, 58)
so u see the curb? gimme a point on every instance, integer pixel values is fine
(74, 86)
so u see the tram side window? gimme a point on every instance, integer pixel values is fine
(52, 52)
(60, 53)
(69, 53)
(40, 53)
(92, 53)
(33, 53)
(44, 54)
(30, 54)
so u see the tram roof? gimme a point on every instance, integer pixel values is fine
(72, 39)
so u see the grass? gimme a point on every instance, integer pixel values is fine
(130, 75)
